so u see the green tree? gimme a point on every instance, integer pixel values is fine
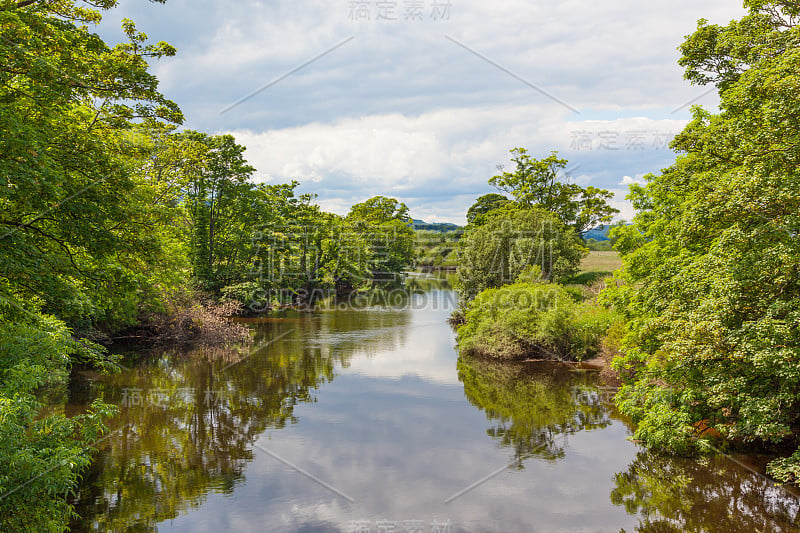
(483, 205)
(218, 203)
(379, 210)
(72, 239)
(385, 224)
(511, 241)
(536, 183)
(436, 249)
(712, 262)
(281, 248)
(67, 199)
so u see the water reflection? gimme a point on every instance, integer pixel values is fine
(371, 398)
(188, 422)
(673, 494)
(187, 426)
(533, 408)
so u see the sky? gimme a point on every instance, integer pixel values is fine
(421, 100)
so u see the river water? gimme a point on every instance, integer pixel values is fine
(362, 418)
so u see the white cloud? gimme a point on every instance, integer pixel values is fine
(402, 110)
(628, 180)
(436, 162)
(626, 211)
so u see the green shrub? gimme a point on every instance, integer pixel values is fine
(250, 294)
(533, 319)
(786, 469)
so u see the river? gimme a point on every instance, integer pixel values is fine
(362, 418)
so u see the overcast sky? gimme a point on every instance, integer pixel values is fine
(421, 99)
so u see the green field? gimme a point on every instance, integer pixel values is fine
(601, 262)
(597, 265)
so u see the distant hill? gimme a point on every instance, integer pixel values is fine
(443, 227)
(600, 233)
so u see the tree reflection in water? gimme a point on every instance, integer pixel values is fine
(673, 494)
(533, 407)
(190, 429)
(188, 422)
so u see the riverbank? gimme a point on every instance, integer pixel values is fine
(188, 320)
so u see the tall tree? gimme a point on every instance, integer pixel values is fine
(512, 240)
(385, 224)
(70, 236)
(713, 260)
(217, 198)
(537, 183)
(378, 210)
(67, 99)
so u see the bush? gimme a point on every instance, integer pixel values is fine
(786, 469)
(533, 320)
(250, 294)
(201, 324)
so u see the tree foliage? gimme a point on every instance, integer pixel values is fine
(511, 241)
(532, 320)
(69, 205)
(379, 210)
(713, 260)
(483, 205)
(384, 223)
(436, 249)
(537, 183)
(72, 236)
